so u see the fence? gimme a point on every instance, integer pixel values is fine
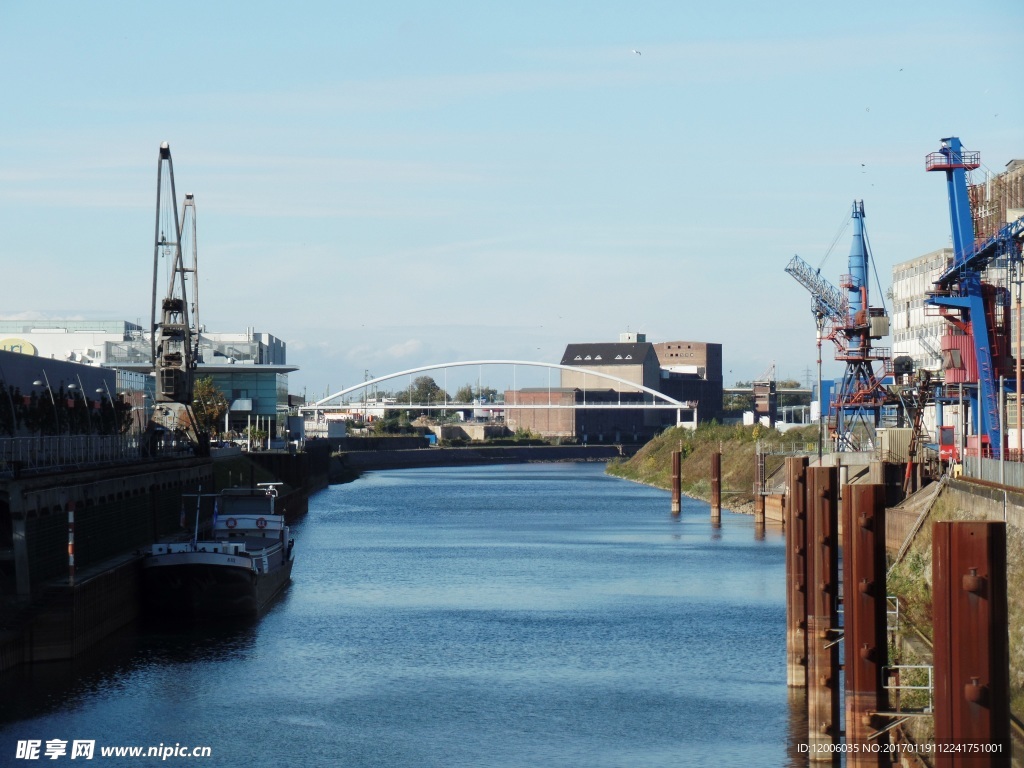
(27, 454)
(1009, 473)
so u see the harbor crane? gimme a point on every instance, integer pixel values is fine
(976, 310)
(174, 335)
(851, 324)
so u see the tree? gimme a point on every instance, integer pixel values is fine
(737, 403)
(467, 393)
(423, 390)
(208, 405)
(256, 436)
(389, 425)
(794, 398)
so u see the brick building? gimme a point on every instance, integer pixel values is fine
(686, 371)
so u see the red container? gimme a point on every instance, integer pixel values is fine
(958, 359)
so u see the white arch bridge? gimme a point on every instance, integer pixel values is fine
(339, 402)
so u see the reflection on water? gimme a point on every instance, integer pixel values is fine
(38, 689)
(490, 616)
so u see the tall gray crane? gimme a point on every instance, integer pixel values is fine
(175, 334)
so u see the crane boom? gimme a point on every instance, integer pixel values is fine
(1005, 242)
(829, 301)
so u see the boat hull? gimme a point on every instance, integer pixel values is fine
(183, 586)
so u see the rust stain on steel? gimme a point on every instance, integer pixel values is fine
(716, 485)
(971, 652)
(823, 613)
(676, 483)
(795, 522)
(864, 614)
(759, 490)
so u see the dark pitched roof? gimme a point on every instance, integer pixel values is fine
(614, 353)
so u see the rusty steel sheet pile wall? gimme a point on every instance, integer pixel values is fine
(971, 652)
(823, 717)
(864, 614)
(796, 572)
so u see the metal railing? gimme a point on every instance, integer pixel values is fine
(27, 454)
(895, 682)
(892, 613)
(791, 448)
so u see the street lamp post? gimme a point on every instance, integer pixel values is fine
(72, 388)
(81, 390)
(46, 380)
(113, 406)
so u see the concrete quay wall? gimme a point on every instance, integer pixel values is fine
(115, 510)
(48, 612)
(361, 461)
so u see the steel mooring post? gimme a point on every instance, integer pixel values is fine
(823, 611)
(971, 652)
(716, 487)
(864, 624)
(759, 490)
(676, 483)
(796, 571)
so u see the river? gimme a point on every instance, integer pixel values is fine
(497, 617)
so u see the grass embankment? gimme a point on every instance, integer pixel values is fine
(911, 581)
(652, 464)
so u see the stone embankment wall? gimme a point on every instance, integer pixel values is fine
(360, 461)
(47, 613)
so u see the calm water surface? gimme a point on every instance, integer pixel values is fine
(538, 615)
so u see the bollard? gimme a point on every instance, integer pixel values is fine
(677, 457)
(823, 613)
(716, 487)
(759, 490)
(71, 542)
(864, 625)
(796, 571)
(971, 652)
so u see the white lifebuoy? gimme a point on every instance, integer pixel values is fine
(261, 522)
(231, 522)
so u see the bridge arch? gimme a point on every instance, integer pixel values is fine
(325, 402)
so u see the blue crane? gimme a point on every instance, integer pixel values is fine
(959, 291)
(852, 324)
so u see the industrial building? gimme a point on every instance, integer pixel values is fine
(917, 332)
(683, 370)
(249, 368)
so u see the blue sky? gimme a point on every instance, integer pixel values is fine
(386, 186)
